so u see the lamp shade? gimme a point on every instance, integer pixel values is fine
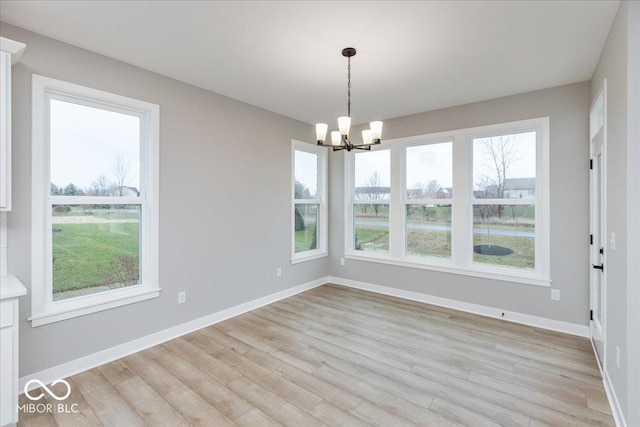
(321, 131)
(335, 137)
(366, 137)
(376, 130)
(344, 123)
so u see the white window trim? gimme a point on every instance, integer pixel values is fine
(321, 200)
(461, 261)
(43, 309)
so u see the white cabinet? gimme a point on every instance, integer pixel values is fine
(10, 290)
(10, 53)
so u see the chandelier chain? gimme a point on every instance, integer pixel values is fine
(349, 86)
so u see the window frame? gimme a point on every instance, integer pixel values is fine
(320, 200)
(408, 201)
(351, 201)
(44, 309)
(461, 261)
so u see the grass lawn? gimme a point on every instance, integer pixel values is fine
(523, 248)
(429, 243)
(434, 243)
(84, 254)
(306, 239)
(372, 239)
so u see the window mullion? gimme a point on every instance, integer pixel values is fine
(462, 221)
(396, 206)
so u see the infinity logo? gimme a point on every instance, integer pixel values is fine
(52, 394)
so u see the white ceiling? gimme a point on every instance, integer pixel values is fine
(285, 56)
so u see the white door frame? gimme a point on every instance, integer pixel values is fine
(597, 125)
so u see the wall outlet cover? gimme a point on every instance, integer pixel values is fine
(555, 294)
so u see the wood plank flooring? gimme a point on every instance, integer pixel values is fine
(342, 357)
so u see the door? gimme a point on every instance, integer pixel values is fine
(597, 238)
(598, 246)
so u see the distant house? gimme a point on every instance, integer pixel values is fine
(445, 193)
(372, 193)
(514, 188)
(126, 192)
(419, 193)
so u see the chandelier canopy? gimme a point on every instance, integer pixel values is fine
(340, 138)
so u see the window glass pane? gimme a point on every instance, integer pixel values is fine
(306, 227)
(504, 235)
(428, 231)
(96, 248)
(504, 167)
(306, 175)
(372, 175)
(93, 151)
(371, 226)
(430, 171)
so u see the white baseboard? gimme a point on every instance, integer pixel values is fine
(618, 416)
(510, 316)
(105, 356)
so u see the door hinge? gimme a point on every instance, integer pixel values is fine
(590, 314)
(590, 163)
(591, 239)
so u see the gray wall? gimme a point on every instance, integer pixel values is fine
(633, 213)
(224, 202)
(619, 65)
(567, 108)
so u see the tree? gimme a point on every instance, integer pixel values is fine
(72, 190)
(55, 191)
(430, 189)
(99, 187)
(299, 220)
(372, 191)
(501, 151)
(120, 171)
(301, 191)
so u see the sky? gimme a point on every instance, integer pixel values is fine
(306, 170)
(425, 163)
(429, 162)
(522, 157)
(85, 142)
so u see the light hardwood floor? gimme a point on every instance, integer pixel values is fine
(343, 357)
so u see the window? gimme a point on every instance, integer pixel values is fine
(471, 201)
(95, 200)
(371, 201)
(309, 207)
(428, 199)
(504, 211)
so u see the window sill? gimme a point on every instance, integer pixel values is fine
(310, 257)
(504, 275)
(69, 313)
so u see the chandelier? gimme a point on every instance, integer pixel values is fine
(340, 138)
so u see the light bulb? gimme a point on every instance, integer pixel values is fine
(366, 137)
(335, 138)
(321, 132)
(376, 131)
(344, 123)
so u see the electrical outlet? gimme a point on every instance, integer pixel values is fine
(612, 242)
(278, 272)
(555, 294)
(341, 261)
(182, 297)
(618, 357)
